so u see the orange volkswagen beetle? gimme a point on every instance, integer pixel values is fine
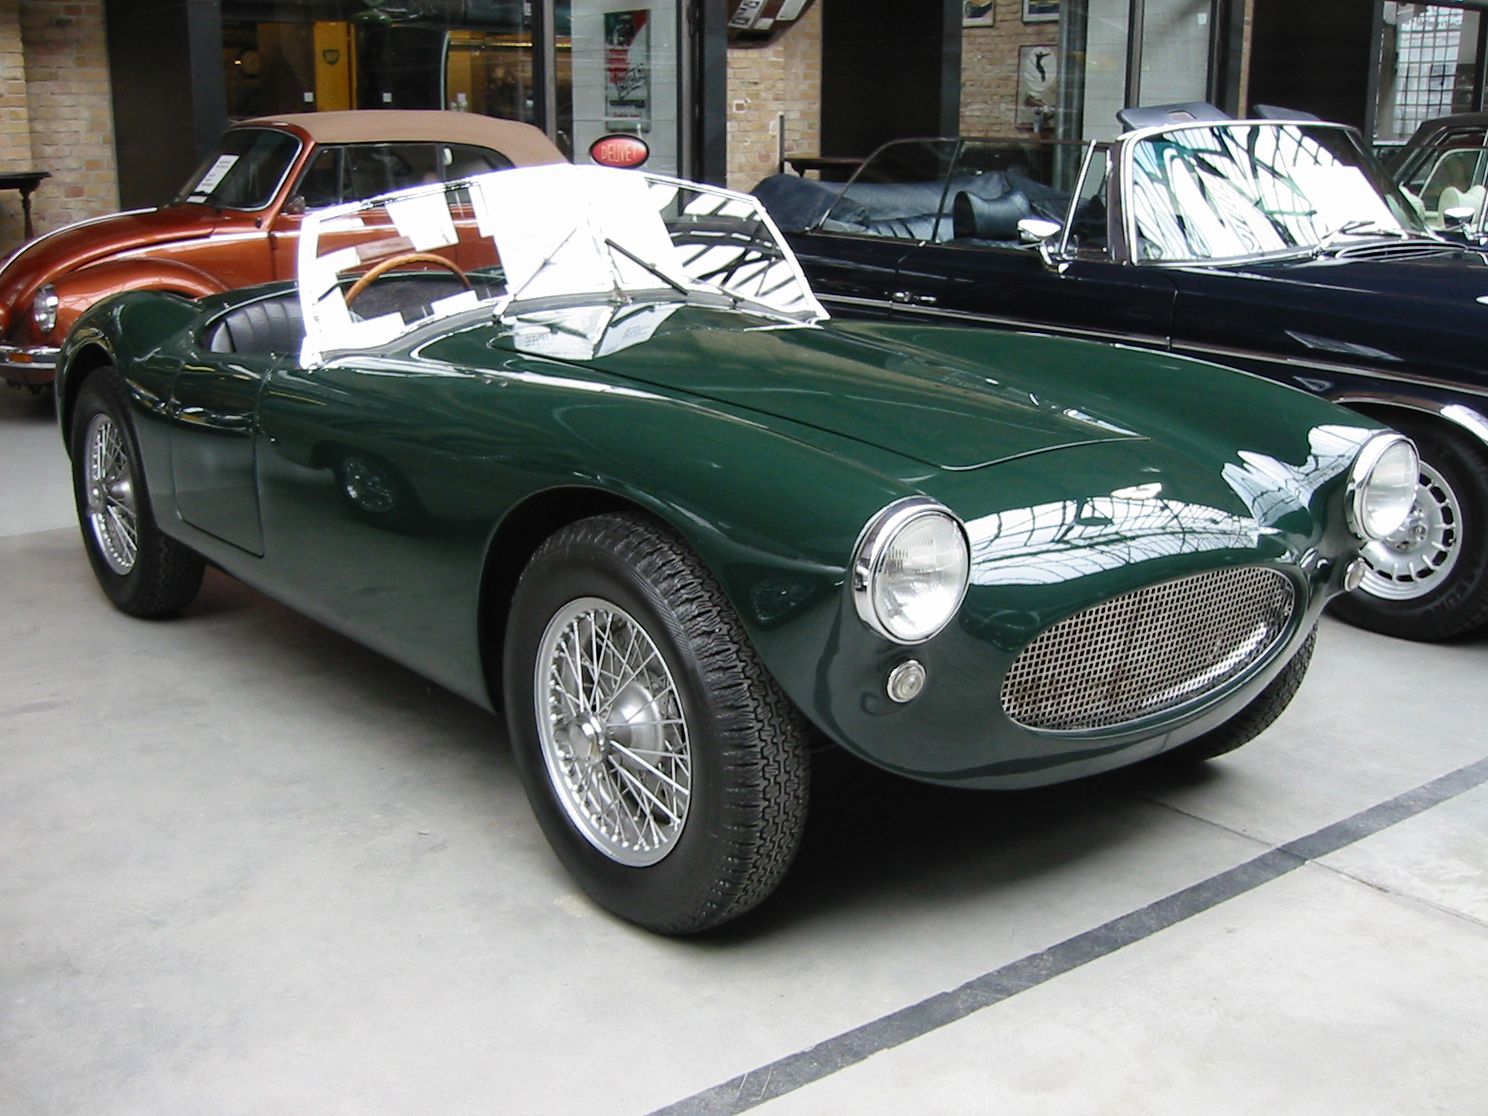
(237, 220)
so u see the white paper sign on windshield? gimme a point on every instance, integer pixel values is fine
(215, 174)
(556, 227)
(425, 220)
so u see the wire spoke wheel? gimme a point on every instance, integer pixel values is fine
(613, 732)
(112, 513)
(1417, 559)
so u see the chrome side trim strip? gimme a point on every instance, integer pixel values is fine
(1196, 349)
(1143, 339)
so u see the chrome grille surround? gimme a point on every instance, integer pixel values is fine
(1148, 652)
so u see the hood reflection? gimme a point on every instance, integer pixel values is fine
(1066, 539)
(1273, 489)
(587, 332)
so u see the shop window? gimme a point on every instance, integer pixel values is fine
(491, 73)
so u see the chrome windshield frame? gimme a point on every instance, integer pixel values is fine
(1126, 145)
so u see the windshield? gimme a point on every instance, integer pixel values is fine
(1241, 191)
(540, 240)
(245, 171)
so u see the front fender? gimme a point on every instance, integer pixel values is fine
(79, 290)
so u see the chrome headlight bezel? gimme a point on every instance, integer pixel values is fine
(868, 558)
(1361, 476)
(44, 307)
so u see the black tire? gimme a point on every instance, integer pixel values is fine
(1458, 492)
(162, 576)
(1254, 719)
(749, 765)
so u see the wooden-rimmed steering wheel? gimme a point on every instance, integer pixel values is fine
(378, 270)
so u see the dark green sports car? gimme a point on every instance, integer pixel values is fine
(581, 444)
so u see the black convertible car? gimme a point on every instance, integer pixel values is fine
(1277, 247)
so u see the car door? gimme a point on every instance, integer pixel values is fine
(986, 267)
(214, 439)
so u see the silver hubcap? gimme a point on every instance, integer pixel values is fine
(109, 484)
(1416, 559)
(614, 736)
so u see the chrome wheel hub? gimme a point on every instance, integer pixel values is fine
(108, 483)
(613, 733)
(1416, 559)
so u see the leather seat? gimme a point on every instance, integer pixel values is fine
(271, 327)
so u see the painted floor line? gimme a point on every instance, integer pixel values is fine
(785, 1075)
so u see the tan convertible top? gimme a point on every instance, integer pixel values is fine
(523, 144)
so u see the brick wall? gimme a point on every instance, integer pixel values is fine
(15, 120)
(989, 69)
(55, 112)
(763, 82)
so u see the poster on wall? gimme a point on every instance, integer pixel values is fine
(1040, 11)
(978, 13)
(627, 37)
(1038, 87)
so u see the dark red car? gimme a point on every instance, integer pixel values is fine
(236, 222)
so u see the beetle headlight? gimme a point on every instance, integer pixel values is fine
(1382, 485)
(44, 309)
(910, 570)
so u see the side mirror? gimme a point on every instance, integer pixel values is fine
(1038, 230)
(295, 206)
(1456, 216)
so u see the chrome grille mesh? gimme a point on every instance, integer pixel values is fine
(1148, 651)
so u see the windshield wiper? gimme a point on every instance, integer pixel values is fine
(651, 267)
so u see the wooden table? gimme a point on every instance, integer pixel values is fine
(26, 182)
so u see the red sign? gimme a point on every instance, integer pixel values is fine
(619, 150)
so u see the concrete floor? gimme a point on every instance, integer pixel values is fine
(247, 867)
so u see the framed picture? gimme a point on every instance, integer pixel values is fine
(1040, 11)
(978, 13)
(627, 97)
(1038, 87)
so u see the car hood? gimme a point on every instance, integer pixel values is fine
(870, 384)
(962, 399)
(98, 238)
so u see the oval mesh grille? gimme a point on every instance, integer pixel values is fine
(1148, 651)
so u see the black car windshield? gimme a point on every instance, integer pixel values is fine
(245, 171)
(1242, 191)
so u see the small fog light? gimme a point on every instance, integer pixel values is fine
(1354, 574)
(906, 681)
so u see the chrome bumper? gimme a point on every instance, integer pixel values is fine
(28, 363)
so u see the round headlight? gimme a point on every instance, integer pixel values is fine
(44, 309)
(1383, 485)
(910, 570)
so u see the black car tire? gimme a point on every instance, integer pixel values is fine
(1254, 719)
(162, 576)
(1460, 603)
(749, 766)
